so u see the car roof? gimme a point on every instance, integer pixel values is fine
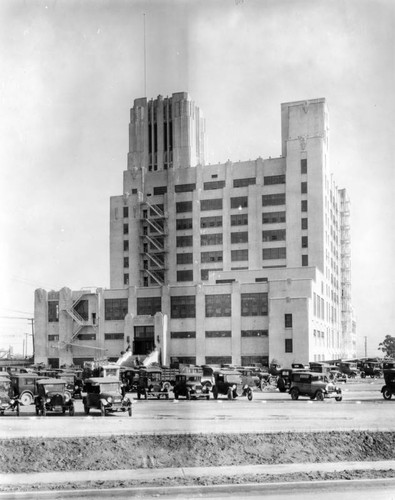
(101, 380)
(50, 381)
(229, 372)
(25, 375)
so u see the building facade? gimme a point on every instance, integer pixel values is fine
(239, 262)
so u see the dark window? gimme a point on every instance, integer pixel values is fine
(304, 223)
(184, 241)
(186, 360)
(251, 360)
(230, 280)
(274, 179)
(260, 280)
(86, 336)
(184, 258)
(273, 199)
(126, 212)
(218, 360)
(244, 182)
(115, 309)
(182, 224)
(144, 332)
(276, 235)
(218, 333)
(211, 239)
(288, 320)
(305, 260)
(237, 255)
(303, 187)
(254, 304)
(241, 237)
(185, 275)
(82, 308)
(53, 338)
(254, 333)
(218, 305)
(126, 279)
(273, 217)
(211, 256)
(183, 307)
(303, 166)
(126, 262)
(214, 221)
(160, 190)
(134, 191)
(183, 206)
(239, 220)
(113, 336)
(303, 205)
(156, 211)
(213, 185)
(184, 188)
(288, 345)
(125, 245)
(148, 306)
(182, 335)
(274, 253)
(53, 311)
(239, 202)
(126, 229)
(305, 243)
(215, 204)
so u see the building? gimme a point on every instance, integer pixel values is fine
(239, 262)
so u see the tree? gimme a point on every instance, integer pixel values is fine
(388, 346)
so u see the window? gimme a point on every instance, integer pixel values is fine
(115, 309)
(304, 242)
(160, 190)
(126, 279)
(254, 304)
(303, 187)
(239, 220)
(305, 260)
(213, 185)
(230, 280)
(218, 333)
(126, 229)
(244, 182)
(237, 255)
(183, 307)
(148, 306)
(276, 235)
(126, 212)
(211, 256)
(126, 262)
(274, 253)
(288, 345)
(184, 258)
(144, 332)
(288, 320)
(303, 205)
(204, 273)
(182, 224)
(218, 360)
(211, 239)
(125, 245)
(113, 336)
(273, 217)
(303, 166)
(260, 280)
(53, 311)
(239, 202)
(183, 206)
(53, 338)
(241, 237)
(304, 223)
(274, 179)
(185, 275)
(273, 199)
(182, 335)
(215, 204)
(218, 305)
(184, 241)
(187, 360)
(184, 188)
(215, 221)
(251, 360)
(254, 333)
(86, 336)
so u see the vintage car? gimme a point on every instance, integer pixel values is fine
(105, 394)
(152, 383)
(230, 383)
(208, 378)
(274, 369)
(349, 368)
(336, 375)
(389, 377)
(73, 386)
(7, 402)
(53, 396)
(24, 388)
(284, 378)
(371, 369)
(250, 375)
(314, 385)
(189, 385)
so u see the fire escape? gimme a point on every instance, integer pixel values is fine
(78, 321)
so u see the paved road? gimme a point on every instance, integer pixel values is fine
(362, 408)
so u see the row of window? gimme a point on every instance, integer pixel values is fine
(221, 360)
(90, 336)
(219, 334)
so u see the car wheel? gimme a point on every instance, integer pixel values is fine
(102, 410)
(249, 395)
(215, 392)
(26, 399)
(230, 394)
(372, 376)
(339, 398)
(387, 393)
(281, 384)
(363, 374)
(43, 411)
(17, 409)
(320, 396)
(130, 410)
(295, 394)
(71, 411)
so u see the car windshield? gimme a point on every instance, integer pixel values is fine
(113, 387)
(53, 387)
(233, 379)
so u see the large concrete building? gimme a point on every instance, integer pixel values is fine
(239, 262)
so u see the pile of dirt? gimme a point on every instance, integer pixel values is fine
(158, 451)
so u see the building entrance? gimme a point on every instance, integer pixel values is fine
(144, 341)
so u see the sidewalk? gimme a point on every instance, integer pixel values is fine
(188, 472)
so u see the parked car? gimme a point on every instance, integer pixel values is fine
(389, 377)
(284, 377)
(7, 402)
(230, 383)
(105, 394)
(151, 383)
(349, 368)
(24, 388)
(336, 375)
(250, 376)
(189, 385)
(53, 396)
(314, 385)
(371, 369)
(208, 378)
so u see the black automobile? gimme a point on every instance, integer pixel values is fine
(314, 385)
(371, 369)
(389, 377)
(53, 396)
(105, 394)
(7, 402)
(284, 377)
(230, 383)
(189, 385)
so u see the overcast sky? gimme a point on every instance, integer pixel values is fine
(70, 70)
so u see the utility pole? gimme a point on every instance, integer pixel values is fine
(366, 347)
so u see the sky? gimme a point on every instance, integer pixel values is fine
(70, 70)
